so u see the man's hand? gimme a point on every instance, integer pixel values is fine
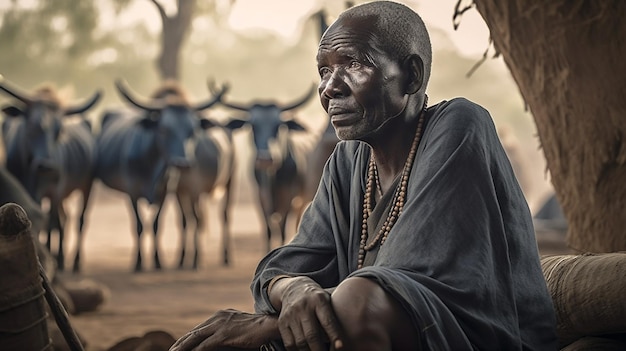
(307, 320)
(230, 330)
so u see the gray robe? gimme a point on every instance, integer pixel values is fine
(462, 258)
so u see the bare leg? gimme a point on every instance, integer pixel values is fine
(371, 318)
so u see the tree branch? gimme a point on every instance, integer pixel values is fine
(161, 10)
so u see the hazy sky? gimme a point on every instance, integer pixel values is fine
(285, 18)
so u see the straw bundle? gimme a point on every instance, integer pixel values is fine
(588, 294)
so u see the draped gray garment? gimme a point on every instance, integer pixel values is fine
(462, 258)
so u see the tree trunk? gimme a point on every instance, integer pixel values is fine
(174, 33)
(567, 57)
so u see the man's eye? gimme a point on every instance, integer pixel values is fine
(324, 71)
(355, 64)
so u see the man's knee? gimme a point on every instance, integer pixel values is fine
(364, 310)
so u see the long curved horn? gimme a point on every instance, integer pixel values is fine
(300, 102)
(228, 104)
(14, 92)
(126, 95)
(84, 106)
(236, 107)
(217, 96)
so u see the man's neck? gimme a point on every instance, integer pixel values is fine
(391, 149)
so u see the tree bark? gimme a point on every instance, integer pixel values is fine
(174, 33)
(567, 57)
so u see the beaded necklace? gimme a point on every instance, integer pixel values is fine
(399, 197)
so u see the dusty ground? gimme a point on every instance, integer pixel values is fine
(170, 300)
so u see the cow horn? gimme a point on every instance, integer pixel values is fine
(85, 106)
(217, 96)
(14, 92)
(233, 106)
(120, 85)
(301, 102)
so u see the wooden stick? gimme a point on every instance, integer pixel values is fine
(60, 314)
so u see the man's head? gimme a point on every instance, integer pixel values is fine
(401, 30)
(374, 64)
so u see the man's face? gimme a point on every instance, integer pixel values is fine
(361, 85)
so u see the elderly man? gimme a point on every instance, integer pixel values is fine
(419, 236)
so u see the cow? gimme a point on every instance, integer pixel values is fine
(325, 144)
(212, 169)
(137, 149)
(51, 155)
(316, 160)
(11, 190)
(279, 169)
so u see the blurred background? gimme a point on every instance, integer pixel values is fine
(264, 49)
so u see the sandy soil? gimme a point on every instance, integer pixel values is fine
(171, 299)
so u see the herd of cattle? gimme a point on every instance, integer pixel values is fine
(156, 146)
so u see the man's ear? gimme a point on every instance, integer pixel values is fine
(414, 67)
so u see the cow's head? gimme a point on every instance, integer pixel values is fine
(42, 113)
(173, 119)
(269, 129)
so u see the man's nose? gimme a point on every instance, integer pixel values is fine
(334, 86)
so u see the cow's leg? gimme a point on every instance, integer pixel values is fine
(198, 214)
(282, 224)
(49, 230)
(183, 230)
(155, 231)
(266, 204)
(62, 220)
(139, 231)
(49, 235)
(282, 205)
(54, 224)
(268, 233)
(267, 217)
(225, 223)
(81, 226)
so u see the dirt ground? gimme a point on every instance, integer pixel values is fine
(171, 300)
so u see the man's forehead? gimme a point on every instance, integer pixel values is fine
(362, 26)
(350, 36)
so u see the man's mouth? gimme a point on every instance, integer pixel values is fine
(342, 118)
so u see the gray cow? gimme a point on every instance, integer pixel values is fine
(139, 149)
(50, 155)
(211, 170)
(317, 158)
(279, 170)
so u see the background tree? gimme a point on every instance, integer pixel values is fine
(83, 46)
(567, 57)
(173, 35)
